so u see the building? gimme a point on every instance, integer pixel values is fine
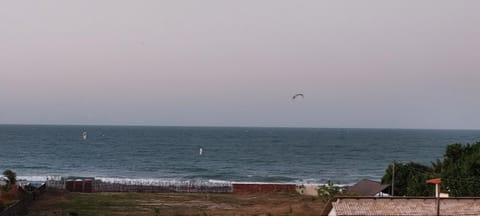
(368, 187)
(402, 206)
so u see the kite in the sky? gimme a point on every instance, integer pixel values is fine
(297, 95)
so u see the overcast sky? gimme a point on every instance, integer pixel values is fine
(380, 64)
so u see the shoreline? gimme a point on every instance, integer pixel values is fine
(161, 181)
(92, 185)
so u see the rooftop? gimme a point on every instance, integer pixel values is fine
(402, 206)
(366, 187)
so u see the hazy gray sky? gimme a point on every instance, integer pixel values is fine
(394, 64)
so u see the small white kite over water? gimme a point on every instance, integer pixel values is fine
(297, 95)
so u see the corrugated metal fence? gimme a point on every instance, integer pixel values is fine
(88, 185)
(184, 187)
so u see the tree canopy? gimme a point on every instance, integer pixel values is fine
(410, 179)
(459, 170)
(11, 176)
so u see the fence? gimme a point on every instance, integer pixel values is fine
(88, 185)
(56, 182)
(159, 186)
(184, 187)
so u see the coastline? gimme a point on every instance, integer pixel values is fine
(162, 181)
(92, 185)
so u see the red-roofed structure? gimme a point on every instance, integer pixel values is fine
(401, 206)
(437, 182)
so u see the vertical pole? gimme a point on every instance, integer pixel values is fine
(438, 206)
(393, 179)
(437, 194)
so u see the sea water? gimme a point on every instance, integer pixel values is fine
(240, 154)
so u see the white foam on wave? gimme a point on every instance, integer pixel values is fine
(32, 178)
(219, 181)
(173, 181)
(159, 181)
(277, 183)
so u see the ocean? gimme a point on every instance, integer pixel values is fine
(239, 154)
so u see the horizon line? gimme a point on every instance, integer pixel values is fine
(225, 126)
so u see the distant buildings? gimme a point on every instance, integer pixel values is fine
(368, 187)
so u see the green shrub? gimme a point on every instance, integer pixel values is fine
(328, 191)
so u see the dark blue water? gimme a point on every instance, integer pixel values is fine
(232, 154)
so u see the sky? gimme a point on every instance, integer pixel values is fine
(360, 64)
